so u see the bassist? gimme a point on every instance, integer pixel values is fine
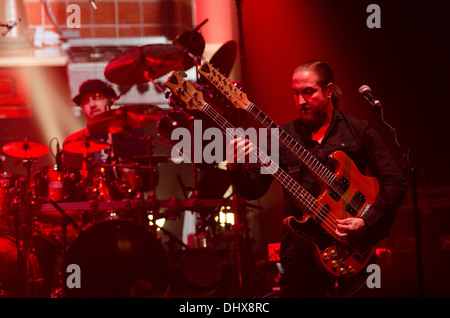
(322, 128)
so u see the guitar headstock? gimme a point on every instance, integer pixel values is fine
(237, 98)
(185, 91)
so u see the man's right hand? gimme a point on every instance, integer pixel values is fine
(238, 152)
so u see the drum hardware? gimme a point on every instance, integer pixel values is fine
(125, 118)
(67, 219)
(89, 205)
(65, 222)
(23, 208)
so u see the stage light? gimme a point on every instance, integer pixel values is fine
(226, 216)
(158, 222)
(51, 106)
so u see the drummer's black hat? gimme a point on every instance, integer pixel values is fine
(94, 86)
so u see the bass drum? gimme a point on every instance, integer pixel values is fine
(117, 259)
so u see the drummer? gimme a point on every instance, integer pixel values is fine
(96, 97)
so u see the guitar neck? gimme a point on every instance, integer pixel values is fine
(239, 99)
(314, 165)
(286, 181)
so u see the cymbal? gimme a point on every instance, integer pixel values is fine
(223, 59)
(84, 146)
(141, 63)
(193, 45)
(25, 149)
(125, 118)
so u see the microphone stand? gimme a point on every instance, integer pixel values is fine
(411, 174)
(24, 229)
(378, 111)
(411, 177)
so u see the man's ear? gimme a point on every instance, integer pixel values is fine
(330, 89)
(110, 103)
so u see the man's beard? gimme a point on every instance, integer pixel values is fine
(314, 122)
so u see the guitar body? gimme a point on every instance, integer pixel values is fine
(339, 259)
(361, 191)
(351, 196)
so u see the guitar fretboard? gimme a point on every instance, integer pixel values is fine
(288, 183)
(308, 159)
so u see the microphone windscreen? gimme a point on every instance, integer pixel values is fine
(364, 88)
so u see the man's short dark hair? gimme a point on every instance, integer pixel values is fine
(325, 74)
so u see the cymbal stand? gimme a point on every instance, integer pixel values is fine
(65, 223)
(151, 203)
(24, 227)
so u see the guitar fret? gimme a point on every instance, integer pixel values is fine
(289, 142)
(322, 211)
(291, 185)
(298, 192)
(315, 165)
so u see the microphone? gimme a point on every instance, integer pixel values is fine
(366, 92)
(58, 155)
(10, 26)
(93, 4)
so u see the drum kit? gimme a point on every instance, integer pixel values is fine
(97, 217)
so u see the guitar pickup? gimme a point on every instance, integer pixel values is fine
(340, 186)
(355, 203)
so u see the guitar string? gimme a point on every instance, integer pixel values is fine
(328, 174)
(301, 194)
(315, 166)
(294, 188)
(323, 172)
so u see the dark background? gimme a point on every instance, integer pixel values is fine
(406, 64)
